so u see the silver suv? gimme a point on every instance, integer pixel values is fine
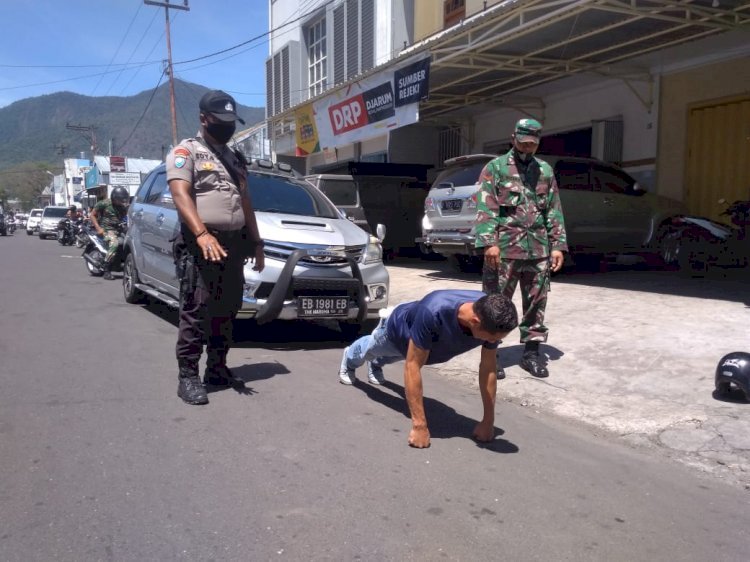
(318, 264)
(606, 211)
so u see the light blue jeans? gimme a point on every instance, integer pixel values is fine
(375, 348)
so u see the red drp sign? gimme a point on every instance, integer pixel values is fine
(347, 115)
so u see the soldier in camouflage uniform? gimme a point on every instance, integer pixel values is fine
(521, 228)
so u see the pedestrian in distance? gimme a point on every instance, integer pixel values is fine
(107, 218)
(433, 330)
(520, 228)
(218, 233)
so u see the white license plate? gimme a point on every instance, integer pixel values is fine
(310, 307)
(452, 205)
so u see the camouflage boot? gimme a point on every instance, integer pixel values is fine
(190, 388)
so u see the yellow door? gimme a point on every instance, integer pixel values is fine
(718, 162)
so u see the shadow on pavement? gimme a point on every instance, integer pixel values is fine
(444, 421)
(510, 356)
(718, 284)
(248, 373)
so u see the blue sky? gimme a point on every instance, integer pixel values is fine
(99, 47)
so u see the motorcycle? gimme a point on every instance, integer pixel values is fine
(697, 244)
(66, 232)
(95, 250)
(81, 235)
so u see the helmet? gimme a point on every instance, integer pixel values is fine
(733, 369)
(119, 196)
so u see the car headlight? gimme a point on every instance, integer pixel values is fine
(374, 251)
(471, 202)
(429, 204)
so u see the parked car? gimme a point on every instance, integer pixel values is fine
(318, 264)
(606, 211)
(343, 191)
(51, 216)
(32, 223)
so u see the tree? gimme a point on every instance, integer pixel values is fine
(25, 182)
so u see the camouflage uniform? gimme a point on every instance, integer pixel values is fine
(109, 218)
(518, 210)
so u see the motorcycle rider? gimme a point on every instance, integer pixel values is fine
(73, 214)
(106, 218)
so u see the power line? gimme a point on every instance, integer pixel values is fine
(117, 51)
(153, 93)
(132, 53)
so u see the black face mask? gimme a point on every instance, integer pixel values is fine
(221, 132)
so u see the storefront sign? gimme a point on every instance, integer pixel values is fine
(124, 178)
(365, 109)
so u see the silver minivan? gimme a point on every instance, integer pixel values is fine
(318, 264)
(605, 210)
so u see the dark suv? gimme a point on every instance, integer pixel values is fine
(606, 211)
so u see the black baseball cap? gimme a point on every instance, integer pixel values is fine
(221, 105)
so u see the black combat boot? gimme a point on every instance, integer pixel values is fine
(190, 388)
(217, 373)
(108, 272)
(533, 362)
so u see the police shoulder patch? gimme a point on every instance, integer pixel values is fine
(181, 151)
(179, 162)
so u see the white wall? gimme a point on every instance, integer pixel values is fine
(577, 108)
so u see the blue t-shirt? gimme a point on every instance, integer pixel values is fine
(432, 324)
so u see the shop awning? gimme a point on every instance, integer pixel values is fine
(519, 44)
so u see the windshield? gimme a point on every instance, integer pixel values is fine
(342, 193)
(461, 174)
(275, 194)
(36, 213)
(55, 212)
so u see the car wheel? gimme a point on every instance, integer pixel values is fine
(29, 232)
(130, 280)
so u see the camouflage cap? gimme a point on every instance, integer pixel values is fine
(528, 130)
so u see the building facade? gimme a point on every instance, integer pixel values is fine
(661, 87)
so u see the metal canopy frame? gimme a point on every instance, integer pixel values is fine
(516, 45)
(496, 56)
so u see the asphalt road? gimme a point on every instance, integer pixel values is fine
(99, 460)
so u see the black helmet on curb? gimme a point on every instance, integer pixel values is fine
(119, 196)
(734, 369)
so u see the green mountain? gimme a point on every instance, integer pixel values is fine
(35, 129)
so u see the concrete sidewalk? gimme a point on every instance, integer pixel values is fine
(630, 351)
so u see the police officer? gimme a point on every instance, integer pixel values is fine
(520, 227)
(218, 233)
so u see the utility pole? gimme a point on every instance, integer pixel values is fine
(89, 132)
(166, 5)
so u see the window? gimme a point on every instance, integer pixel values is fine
(140, 195)
(611, 180)
(461, 174)
(340, 192)
(276, 195)
(316, 57)
(453, 12)
(158, 187)
(573, 175)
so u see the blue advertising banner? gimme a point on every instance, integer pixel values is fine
(412, 82)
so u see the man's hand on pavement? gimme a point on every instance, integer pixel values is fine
(484, 432)
(419, 437)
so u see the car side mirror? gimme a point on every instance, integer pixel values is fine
(380, 232)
